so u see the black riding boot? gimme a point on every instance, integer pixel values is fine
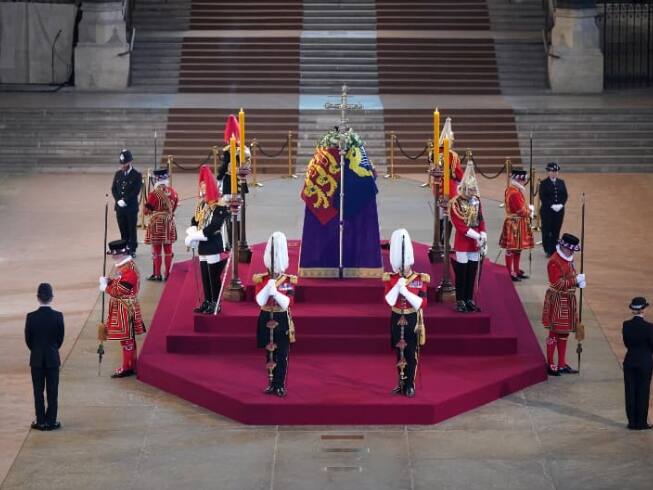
(460, 271)
(206, 287)
(470, 282)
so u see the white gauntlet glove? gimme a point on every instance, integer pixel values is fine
(104, 282)
(532, 210)
(556, 207)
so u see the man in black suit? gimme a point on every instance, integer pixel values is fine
(638, 365)
(553, 194)
(126, 189)
(44, 331)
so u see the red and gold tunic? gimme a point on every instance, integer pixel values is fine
(124, 320)
(560, 313)
(516, 233)
(285, 332)
(465, 214)
(161, 205)
(415, 283)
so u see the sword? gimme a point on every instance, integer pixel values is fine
(531, 193)
(222, 281)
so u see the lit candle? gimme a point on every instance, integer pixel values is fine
(436, 136)
(232, 164)
(241, 123)
(447, 167)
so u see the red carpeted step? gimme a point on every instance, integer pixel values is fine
(319, 344)
(331, 320)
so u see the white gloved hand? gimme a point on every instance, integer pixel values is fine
(197, 235)
(532, 210)
(271, 287)
(104, 282)
(401, 282)
(403, 290)
(556, 207)
(191, 229)
(122, 203)
(582, 285)
(580, 278)
(473, 234)
(190, 243)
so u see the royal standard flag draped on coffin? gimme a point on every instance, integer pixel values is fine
(321, 194)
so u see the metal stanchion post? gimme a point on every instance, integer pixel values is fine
(445, 292)
(142, 199)
(391, 174)
(429, 177)
(244, 252)
(290, 175)
(235, 291)
(253, 147)
(436, 251)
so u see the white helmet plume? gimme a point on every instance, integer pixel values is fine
(446, 132)
(395, 250)
(280, 252)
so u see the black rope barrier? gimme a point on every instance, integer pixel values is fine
(476, 167)
(272, 155)
(185, 168)
(426, 148)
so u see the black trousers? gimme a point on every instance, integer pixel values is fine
(280, 338)
(46, 379)
(551, 225)
(127, 225)
(212, 279)
(465, 279)
(637, 382)
(410, 350)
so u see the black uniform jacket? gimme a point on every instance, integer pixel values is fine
(213, 232)
(552, 193)
(638, 339)
(44, 331)
(128, 188)
(224, 175)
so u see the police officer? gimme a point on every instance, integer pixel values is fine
(553, 194)
(126, 190)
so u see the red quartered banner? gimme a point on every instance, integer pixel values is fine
(321, 184)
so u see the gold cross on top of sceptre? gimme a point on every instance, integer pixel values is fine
(343, 106)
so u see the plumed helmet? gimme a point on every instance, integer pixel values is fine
(280, 252)
(399, 236)
(446, 132)
(469, 185)
(211, 193)
(232, 128)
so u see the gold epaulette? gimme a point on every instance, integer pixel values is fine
(293, 279)
(386, 276)
(258, 278)
(425, 277)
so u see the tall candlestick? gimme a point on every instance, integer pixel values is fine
(447, 168)
(436, 136)
(232, 164)
(241, 123)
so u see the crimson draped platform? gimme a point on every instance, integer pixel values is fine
(341, 369)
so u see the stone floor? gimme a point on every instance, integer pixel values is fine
(567, 433)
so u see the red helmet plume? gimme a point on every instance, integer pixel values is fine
(207, 178)
(232, 128)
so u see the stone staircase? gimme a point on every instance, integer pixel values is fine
(326, 63)
(192, 132)
(437, 66)
(588, 140)
(344, 15)
(490, 134)
(156, 63)
(313, 124)
(60, 139)
(239, 65)
(521, 66)
(508, 15)
(430, 15)
(161, 15)
(246, 14)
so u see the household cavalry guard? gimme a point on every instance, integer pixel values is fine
(124, 320)
(207, 237)
(275, 331)
(232, 128)
(405, 292)
(516, 234)
(161, 230)
(455, 167)
(470, 242)
(560, 313)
